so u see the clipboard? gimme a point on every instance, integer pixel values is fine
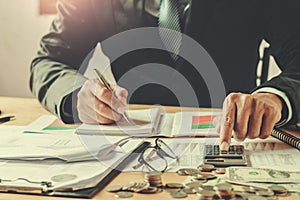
(106, 178)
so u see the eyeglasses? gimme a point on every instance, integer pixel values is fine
(155, 157)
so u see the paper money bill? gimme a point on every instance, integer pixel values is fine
(261, 175)
(291, 187)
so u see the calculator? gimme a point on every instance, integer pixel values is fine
(235, 156)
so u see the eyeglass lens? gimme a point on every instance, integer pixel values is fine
(153, 160)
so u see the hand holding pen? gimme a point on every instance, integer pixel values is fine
(96, 103)
(101, 78)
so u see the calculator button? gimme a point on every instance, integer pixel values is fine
(208, 150)
(223, 152)
(216, 150)
(239, 149)
(231, 150)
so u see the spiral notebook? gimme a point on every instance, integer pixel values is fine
(288, 138)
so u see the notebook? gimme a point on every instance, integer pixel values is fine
(154, 122)
(286, 137)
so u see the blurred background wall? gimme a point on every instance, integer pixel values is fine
(22, 24)
(21, 28)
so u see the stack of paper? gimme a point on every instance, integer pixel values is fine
(56, 160)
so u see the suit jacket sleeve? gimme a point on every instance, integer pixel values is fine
(283, 34)
(73, 34)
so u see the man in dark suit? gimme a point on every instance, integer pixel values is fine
(230, 32)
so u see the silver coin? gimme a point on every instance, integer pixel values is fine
(140, 186)
(178, 195)
(191, 171)
(207, 187)
(129, 185)
(220, 171)
(249, 189)
(186, 171)
(194, 184)
(181, 173)
(149, 190)
(172, 190)
(123, 194)
(204, 176)
(223, 187)
(174, 185)
(206, 168)
(114, 188)
(199, 177)
(200, 180)
(189, 190)
(278, 189)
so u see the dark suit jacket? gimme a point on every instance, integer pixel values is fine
(229, 30)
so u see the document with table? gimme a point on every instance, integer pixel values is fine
(153, 122)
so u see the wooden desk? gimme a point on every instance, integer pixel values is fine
(26, 110)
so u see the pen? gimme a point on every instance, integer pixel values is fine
(101, 78)
(6, 119)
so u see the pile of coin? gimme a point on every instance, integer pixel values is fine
(254, 193)
(173, 187)
(128, 189)
(198, 185)
(135, 187)
(153, 178)
(200, 170)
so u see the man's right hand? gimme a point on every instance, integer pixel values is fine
(97, 104)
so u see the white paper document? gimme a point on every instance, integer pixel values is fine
(194, 124)
(272, 153)
(146, 123)
(48, 160)
(153, 122)
(64, 145)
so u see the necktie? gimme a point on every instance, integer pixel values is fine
(169, 19)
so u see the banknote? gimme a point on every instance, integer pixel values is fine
(291, 187)
(261, 175)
